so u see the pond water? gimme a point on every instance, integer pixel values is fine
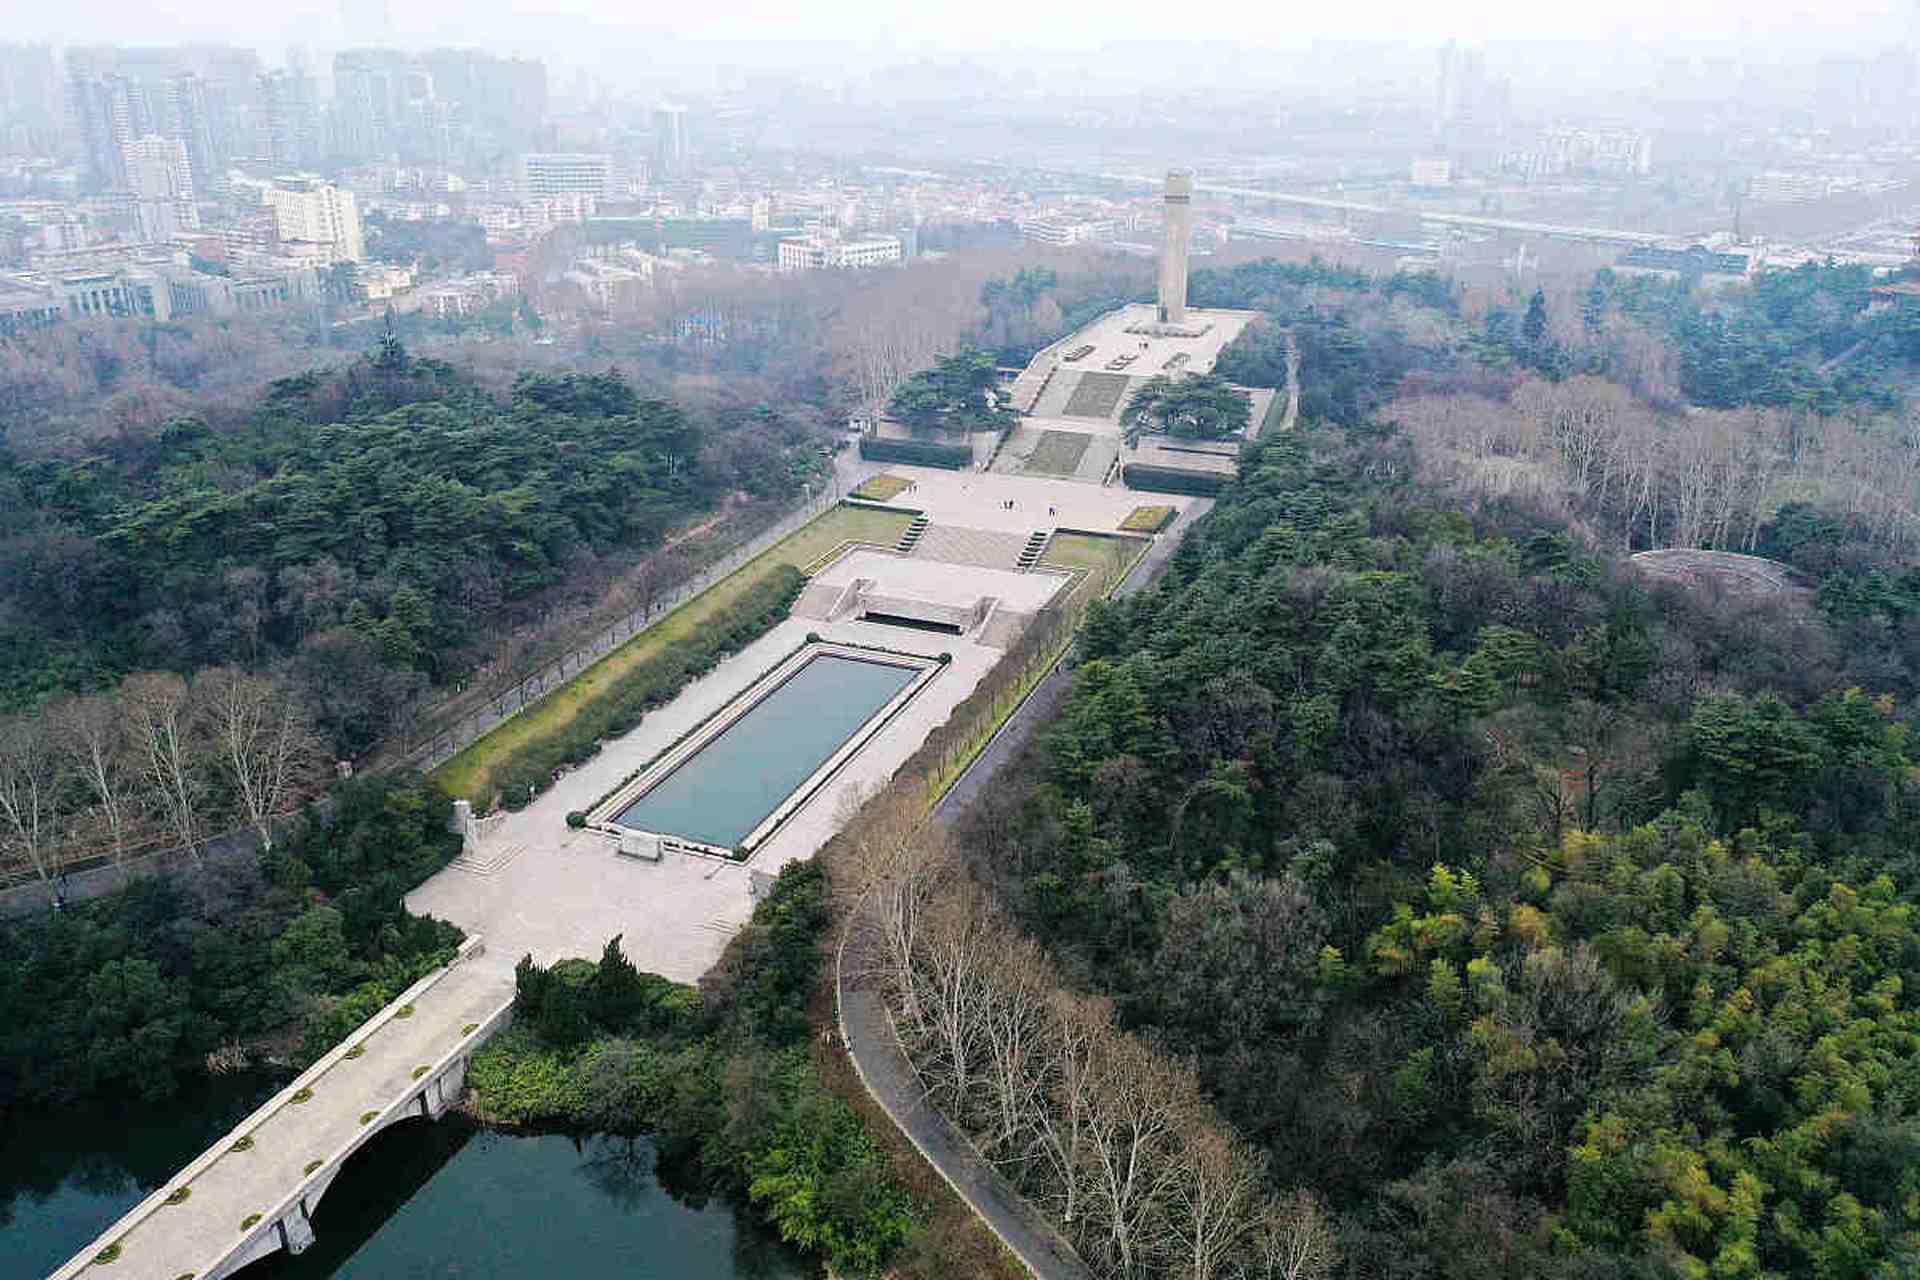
(728, 787)
(422, 1201)
(69, 1173)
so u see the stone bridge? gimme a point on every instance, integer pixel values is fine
(255, 1190)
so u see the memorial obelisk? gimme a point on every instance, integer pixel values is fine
(1173, 262)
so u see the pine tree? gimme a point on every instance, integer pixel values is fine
(391, 357)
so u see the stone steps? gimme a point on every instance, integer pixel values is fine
(987, 548)
(489, 860)
(1036, 546)
(911, 538)
(1052, 401)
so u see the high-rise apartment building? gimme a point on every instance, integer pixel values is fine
(446, 106)
(289, 119)
(310, 212)
(161, 179)
(669, 141)
(29, 96)
(102, 108)
(193, 118)
(564, 173)
(502, 102)
(202, 96)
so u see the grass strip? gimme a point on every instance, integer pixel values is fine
(485, 766)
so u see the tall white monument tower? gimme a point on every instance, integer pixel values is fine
(1173, 263)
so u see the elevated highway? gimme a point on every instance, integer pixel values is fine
(1549, 230)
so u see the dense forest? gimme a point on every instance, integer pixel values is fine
(129, 993)
(385, 516)
(1542, 922)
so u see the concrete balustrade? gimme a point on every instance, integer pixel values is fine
(255, 1190)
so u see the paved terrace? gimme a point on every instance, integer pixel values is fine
(1110, 339)
(564, 892)
(974, 500)
(241, 1205)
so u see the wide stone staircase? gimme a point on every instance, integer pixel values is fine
(987, 548)
(1052, 401)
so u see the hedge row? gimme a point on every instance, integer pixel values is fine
(651, 684)
(1168, 480)
(921, 453)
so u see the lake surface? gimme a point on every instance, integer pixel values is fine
(728, 787)
(424, 1200)
(69, 1173)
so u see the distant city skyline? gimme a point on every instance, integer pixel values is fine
(597, 34)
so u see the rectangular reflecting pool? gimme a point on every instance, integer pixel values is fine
(733, 782)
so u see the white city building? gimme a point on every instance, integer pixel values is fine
(161, 180)
(309, 211)
(818, 252)
(565, 173)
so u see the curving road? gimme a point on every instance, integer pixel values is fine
(868, 1033)
(867, 1030)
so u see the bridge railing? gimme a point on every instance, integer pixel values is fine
(223, 1147)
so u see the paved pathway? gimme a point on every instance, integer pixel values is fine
(869, 1034)
(891, 1080)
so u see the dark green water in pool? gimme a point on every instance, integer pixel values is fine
(422, 1201)
(728, 787)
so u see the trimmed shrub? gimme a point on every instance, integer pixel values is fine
(1147, 519)
(106, 1255)
(576, 819)
(253, 1219)
(1168, 480)
(305, 1095)
(366, 1117)
(530, 768)
(921, 453)
(245, 1144)
(179, 1195)
(312, 1165)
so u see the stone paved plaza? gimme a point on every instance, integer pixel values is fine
(557, 892)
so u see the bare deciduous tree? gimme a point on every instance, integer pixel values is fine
(956, 943)
(161, 719)
(1020, 981)
(1076, 1028)
(261, 738)
(30, 777)
(1293, 1239)
(1214, 1197)
(93, 732)
(1139, 1101)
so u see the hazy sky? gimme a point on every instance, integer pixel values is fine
(589, 31)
